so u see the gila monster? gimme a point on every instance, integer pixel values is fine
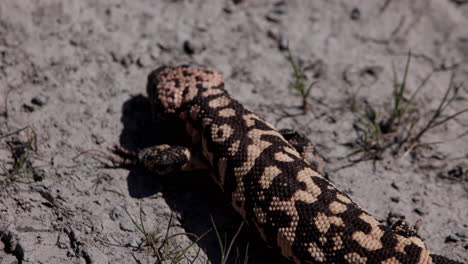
(267, 179)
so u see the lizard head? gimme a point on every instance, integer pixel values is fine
(172, 90)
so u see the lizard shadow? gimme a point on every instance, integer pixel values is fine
(193, 195)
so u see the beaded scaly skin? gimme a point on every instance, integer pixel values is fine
(277, 191)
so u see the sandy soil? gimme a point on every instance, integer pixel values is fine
(75, 74)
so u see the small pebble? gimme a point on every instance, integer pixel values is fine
(418, 211)
(38, 100)
(355, 14)
(395, 186)
(451, 239)
(283, 44)
(395, 199)
(189, 48)
(456, 172)
(39, 175)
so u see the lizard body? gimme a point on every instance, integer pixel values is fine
(293, 207)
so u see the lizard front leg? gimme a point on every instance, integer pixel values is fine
(160, 159)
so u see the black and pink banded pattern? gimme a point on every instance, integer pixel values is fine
(293, 207)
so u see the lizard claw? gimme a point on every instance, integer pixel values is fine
(121, 156)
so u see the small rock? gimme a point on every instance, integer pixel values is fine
(38, 174)
(419, 211)
(395, 199)
(456, 172)
(283, 44)
(38, 100)
(189, 48)
(395, 186)
(451, 239)
(237, 1)
(355, 14)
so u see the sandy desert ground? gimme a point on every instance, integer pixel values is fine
(72, 85)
